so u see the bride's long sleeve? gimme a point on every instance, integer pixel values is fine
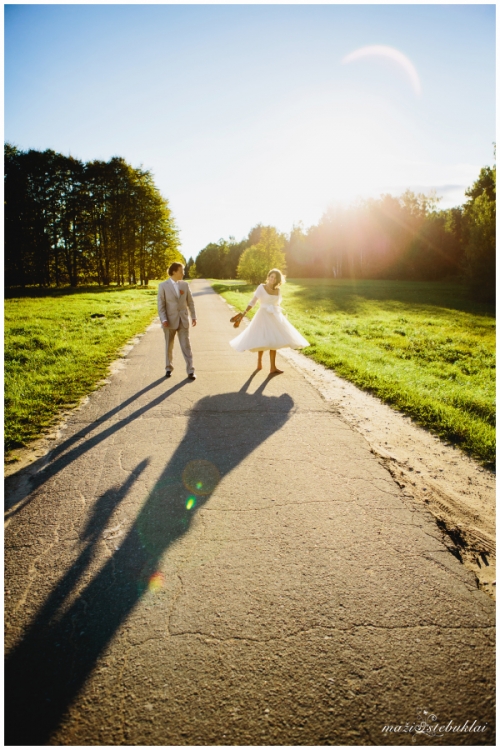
(255, 297)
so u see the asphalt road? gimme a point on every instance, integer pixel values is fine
(224, 561)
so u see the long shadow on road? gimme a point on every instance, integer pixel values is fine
(45, 672)
(72, 448)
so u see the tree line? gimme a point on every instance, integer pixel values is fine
(248, 259)
(400, 238)
(70, 222)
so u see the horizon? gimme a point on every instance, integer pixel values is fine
(259, 114)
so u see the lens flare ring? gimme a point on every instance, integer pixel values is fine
(200, 477)
(156, 582)
(392, 54)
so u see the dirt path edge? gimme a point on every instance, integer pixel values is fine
(453, 487)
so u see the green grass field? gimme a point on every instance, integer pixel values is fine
(58, 345)
(422, 347)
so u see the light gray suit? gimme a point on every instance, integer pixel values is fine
(174, 310)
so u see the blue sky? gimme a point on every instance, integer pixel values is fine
(246, 113)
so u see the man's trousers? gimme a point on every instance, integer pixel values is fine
(185, 347)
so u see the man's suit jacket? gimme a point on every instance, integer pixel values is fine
(174, 309)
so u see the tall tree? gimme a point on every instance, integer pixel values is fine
(69, 222)
(479, 262)
(257, 260)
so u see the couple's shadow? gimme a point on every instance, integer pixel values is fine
(48, 668)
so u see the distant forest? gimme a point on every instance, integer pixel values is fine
(70, 223)
(401, 238)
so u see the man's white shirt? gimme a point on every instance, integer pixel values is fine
(176, 287)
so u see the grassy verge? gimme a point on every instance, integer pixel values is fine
(422, 347)
(58, 345)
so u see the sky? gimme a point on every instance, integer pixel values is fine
(250, 114)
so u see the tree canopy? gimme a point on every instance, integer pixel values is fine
(258, 259)
(69, 222)
(480, 235)
(219, 260)
(404, 237)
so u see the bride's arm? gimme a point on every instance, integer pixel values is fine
(252, 301)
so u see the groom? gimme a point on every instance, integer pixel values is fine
(174, 299)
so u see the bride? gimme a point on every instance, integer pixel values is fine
(269, 329)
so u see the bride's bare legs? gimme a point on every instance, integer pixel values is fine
(259, 360)
(272, 355)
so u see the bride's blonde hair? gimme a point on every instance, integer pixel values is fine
(279, 276)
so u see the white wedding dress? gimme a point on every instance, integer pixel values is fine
(269, 328)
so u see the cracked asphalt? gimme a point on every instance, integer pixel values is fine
(224, 561)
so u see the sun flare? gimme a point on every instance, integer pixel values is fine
(392, 54)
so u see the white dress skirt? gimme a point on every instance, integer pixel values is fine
(269, 329)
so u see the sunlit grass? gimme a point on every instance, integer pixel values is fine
(422, 347)
(58, 345)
